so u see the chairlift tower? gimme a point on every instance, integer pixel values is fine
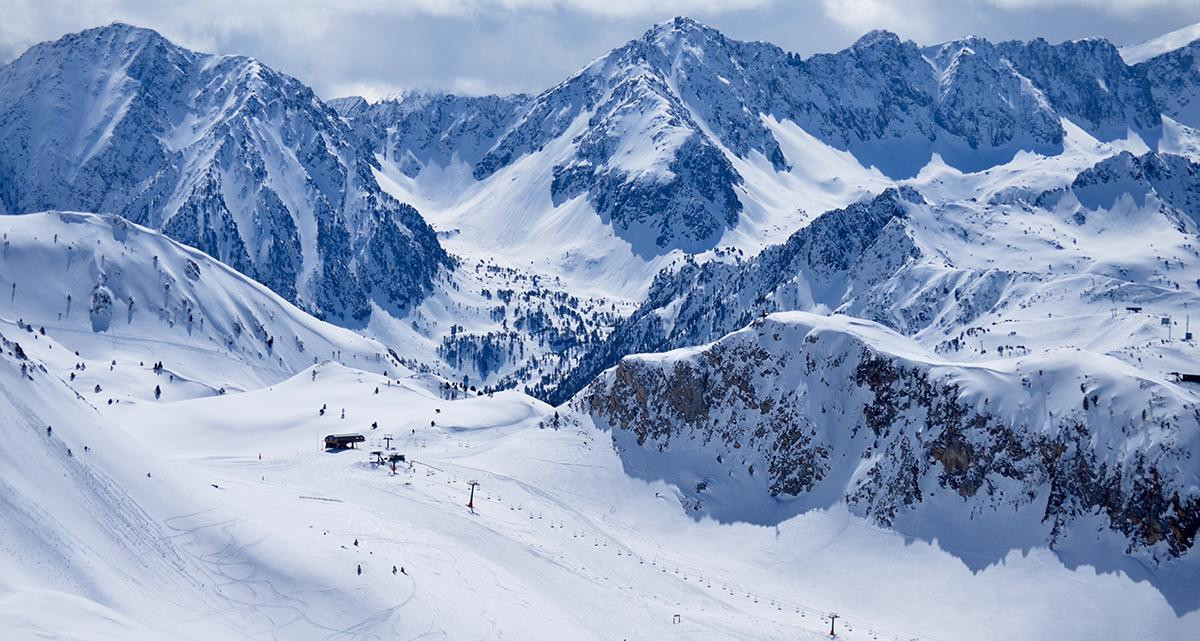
(832, 618)
(471, 501)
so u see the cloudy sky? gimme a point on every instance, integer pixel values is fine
(376, 47)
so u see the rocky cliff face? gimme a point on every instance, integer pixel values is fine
(637, 149)
(698, 303)
(1087, 82)
(221, 153)
(797, 411)
(417, 129)
(1174, 78)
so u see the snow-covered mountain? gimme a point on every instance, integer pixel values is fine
(937, 272)
(220, 152)
(685, 144)
(662, 135)
(912, 317)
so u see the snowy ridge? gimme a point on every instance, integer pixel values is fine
(1138, 53)
(800, 411)
(116, 292)
(684, 143)
(700, 302)
(663, 134)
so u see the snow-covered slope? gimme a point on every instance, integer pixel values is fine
(1141, 52)
(121, 299)
(81, 555)
(219, 152)
(218, 543)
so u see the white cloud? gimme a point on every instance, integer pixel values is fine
(929, 21)
(470, 86)
(372, 91)
(378, 47)
(1119, 7)
(909, 18)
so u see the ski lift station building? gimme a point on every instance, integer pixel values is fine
(341, 441)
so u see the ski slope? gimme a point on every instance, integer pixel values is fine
(562, 542)
(125, 297)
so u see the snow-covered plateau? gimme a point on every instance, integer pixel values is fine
(707, 341)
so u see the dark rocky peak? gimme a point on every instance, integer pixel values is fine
(349, 106)
(1088, 82)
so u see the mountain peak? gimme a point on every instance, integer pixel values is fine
(679, 29)
(114, 142)
(117, 26)
(117, 30)
(678, 23)
(875, 38)
(117, 42)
